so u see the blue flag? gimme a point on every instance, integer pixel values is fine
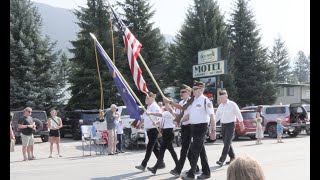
(128, 99)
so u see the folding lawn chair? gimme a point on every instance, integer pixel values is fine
(86, 138)
(97, 138)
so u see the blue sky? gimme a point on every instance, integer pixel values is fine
(289, 19)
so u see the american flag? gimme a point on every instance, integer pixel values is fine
(133, 47)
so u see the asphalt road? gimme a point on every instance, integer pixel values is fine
(289, 160)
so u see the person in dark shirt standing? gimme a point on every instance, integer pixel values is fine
(26, 126)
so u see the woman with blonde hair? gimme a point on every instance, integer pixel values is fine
(54, 124)
(245, 168)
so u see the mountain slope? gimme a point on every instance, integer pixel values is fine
(60, 25)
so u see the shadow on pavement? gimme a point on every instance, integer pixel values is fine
(131, 176)
(216, 168)
(253, 144)
(28, 160)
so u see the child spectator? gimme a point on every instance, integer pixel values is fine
(279, 130)
(259, 130)
(119, 129)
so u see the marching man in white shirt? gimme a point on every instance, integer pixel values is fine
(227, 112)
(152, 131)
(199, 113)
(167, 125)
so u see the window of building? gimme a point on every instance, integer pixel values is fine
(280, 91)
(290, 91)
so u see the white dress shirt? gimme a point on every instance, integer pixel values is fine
(228, 112)
(200, 110)
(154, 107)
(167, 120)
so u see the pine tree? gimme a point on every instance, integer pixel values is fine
(301, 69)
(204, 28)
(137, 17)
(279, 57)
(61, 72)
(31, 60)
(84, 78)
(254, 74)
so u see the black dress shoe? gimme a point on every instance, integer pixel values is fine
(219, 163)
(228, 162)
(204, 176)
(174, 172)
(152, 169)
(197, 170)
(141, 167)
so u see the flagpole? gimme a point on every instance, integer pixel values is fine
(101, 114)
(151, 75)
(122, 78)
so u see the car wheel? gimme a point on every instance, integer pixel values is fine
(75, 134)
(294, 134)
(308, 130)
(44, 138)
(252, 137)
(272, 131)
(61, 135)
(126, 141)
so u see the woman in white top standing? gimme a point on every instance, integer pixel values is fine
(54, 124)
(167, 125)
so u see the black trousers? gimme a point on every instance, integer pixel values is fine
(167, 140)
(198, 132)
(185, 147)
(227, 131)
(119, 145)
(151, 146)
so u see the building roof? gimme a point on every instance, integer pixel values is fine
(293, 84)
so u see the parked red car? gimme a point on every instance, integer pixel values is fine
(249, 120)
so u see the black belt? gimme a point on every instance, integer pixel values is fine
(150, 129)
(227, 123)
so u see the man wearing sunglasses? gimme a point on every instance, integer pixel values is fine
(26, 126)
(199, 114)
(185, 95)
